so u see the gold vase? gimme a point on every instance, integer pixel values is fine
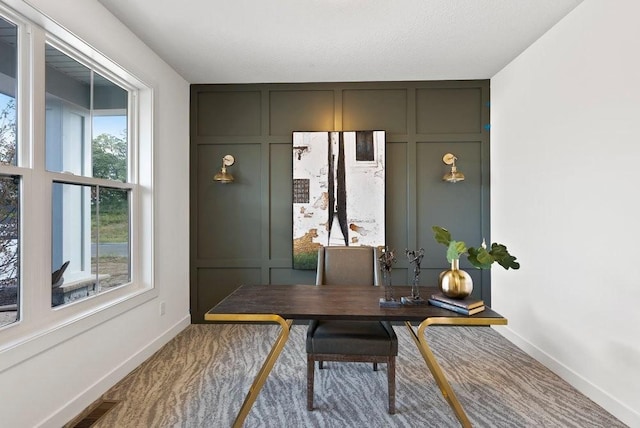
(455, 283)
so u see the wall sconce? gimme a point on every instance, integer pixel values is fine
(223, 176)
(454, 175)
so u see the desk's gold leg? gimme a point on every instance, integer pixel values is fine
(438, 374)
(434, 367)
(262, 375)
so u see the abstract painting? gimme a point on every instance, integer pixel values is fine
(338, 192)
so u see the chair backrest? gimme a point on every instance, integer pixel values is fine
(348, 266)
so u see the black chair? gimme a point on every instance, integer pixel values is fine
(353, 341)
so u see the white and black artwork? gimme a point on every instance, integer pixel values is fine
(338, 192)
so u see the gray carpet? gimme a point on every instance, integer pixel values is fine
(200, 379)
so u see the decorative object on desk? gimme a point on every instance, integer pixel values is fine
(456, 308)
(387, 259)
(415, 258)
(466, 303)
(457, 283)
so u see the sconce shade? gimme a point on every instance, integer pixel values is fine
(454, 175)
(223, 176)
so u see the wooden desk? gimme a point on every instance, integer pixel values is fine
(284, 303)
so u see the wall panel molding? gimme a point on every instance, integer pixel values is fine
(241, 232)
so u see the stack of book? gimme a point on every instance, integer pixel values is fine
(466, 306)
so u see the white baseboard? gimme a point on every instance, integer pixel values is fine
(79, 403)
(605, 400)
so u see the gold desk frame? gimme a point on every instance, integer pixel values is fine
(417, 336)
(261, 377)
(435, 369)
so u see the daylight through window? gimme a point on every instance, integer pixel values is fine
(9, 184)
(86, 138)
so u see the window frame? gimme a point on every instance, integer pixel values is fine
(87, 180)
(42, 326)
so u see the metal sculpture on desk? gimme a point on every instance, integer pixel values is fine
(387, 259)
(415, 258)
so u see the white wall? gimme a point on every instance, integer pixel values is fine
(565, 153)
(51, 387)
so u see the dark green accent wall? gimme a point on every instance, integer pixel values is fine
(241, 232)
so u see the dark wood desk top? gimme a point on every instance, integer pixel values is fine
(332, 302)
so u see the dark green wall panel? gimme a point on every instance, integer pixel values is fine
(228, 113)
(375, 109)
(229, 215)
(291, 111)
(448, 110)
(449, 205)
(396, 196)
(241, 232)
(399, 274)
(292, 276)
(214, 285)
(280, 194)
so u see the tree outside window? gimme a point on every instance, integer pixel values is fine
(9, 217)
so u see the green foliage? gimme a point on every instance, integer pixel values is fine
(479, 257)
(442, 235)
(9, 230)
(9, 197)
(455, 249)
(501, 255)
(308, 261)
(114, 226)
(8, 133)
(109, 155)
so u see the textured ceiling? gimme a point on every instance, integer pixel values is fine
(258, 41)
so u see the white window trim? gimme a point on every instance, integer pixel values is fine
(42, 326)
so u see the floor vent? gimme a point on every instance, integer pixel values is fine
(94, 414)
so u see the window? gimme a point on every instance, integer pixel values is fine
(76, 194)
(86, 120)
(90, 243)
(9, 245)
(8, 142)
(86, 138)
(9, 184)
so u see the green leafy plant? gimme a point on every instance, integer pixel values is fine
(480, 257)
